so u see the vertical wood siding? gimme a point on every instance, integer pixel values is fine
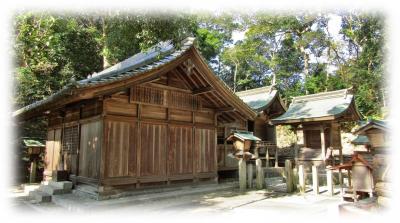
(48, 158)
(205, 151)
(153, 149)
(180, 150)
(90, 145)
(56, 149)
(121, 146)
(53, 149)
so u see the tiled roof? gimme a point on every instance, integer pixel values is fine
(153, 58)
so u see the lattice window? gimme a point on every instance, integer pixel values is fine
(184, 100)
(70, 139)
(147, 95)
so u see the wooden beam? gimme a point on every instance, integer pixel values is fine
(180, 77)
(203, 90)
(226, 109)
(181, 71)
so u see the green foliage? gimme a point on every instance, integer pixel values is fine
(50, 51)
(364, 70)
(125, 35)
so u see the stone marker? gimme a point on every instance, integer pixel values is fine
(302, 180)
(260, 179)
(242, 174)
(250, 175)
(315, 179)
(289, 176)
(329, 182)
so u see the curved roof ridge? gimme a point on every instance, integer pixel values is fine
(254, 91)
(318, 107)
(323, 95)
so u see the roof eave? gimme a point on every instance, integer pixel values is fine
(244, 108)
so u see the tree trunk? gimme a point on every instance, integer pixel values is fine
(305, 70)
(234, 77)
(105, 60)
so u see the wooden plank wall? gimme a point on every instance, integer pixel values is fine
(48, 158)
(205, 150)
(89, 149)
(53, 149)
(121, 147)
(180, 150)
(153, 140)
(153, 149)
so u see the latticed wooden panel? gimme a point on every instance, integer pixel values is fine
(147, 95)
(183, 100)
(71, 139)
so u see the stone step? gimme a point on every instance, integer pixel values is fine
(40, 196)
(66, 185)
(53, 190)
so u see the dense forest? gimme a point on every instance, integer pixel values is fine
(298, 52)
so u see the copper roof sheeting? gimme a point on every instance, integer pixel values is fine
(319, 107)
(259, 98)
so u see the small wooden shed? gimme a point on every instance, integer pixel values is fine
(377, 132)
(242, 143)
(33, 149)
(152, 119)
(361, 180)
(316, 120)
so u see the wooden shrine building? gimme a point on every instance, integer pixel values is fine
(266, 103)
(316, 119)
(152, 119)
(377, 132)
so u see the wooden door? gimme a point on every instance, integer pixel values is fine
(313, 139)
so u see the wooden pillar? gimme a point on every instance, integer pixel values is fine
(260, 179)
(32, 174)
(302, 179)
(329, 182)
(250, 175)
(242, 174)
(323, 144)
(340, 170)
(339, 143)
(349, 177)
(276, 157)
(289, 176)
(315, 179)
(267, 156)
